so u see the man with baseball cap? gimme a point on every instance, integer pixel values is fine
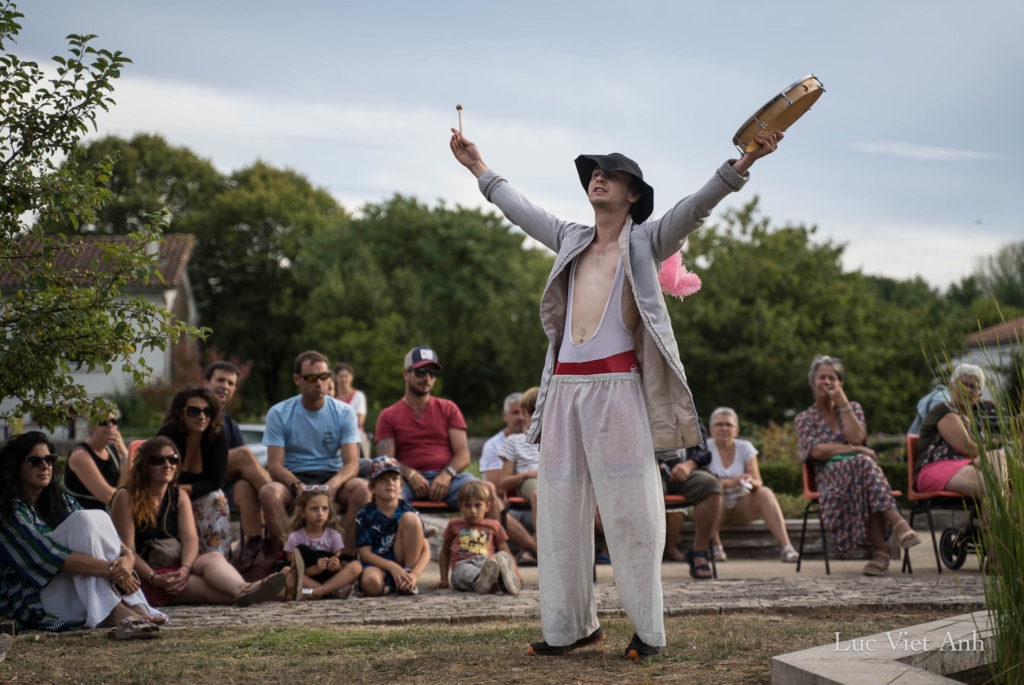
(426, 435)
(613, 392)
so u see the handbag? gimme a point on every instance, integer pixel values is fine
(161, 552)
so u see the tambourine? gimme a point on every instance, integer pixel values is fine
(780, 112)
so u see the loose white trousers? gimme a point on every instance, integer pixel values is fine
(596, 450)
(77, 598)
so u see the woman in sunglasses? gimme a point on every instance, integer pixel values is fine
(94, 465)
(193, 423)
(153, 514)
(61, 566)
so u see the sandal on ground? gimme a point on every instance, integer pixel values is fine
(544, 649)
(907, 537)
(262, 591)
(699, 571)
(526, 558)
(299, 566)
(789, 555)
(719, 552)
(638, 649)
(878, 566)
(134, 628)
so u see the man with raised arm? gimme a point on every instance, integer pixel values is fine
(613, 392)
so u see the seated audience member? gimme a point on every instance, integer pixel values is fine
(938, 395)
(244, 475)
(153, 515)
(476, 548)
(745, 497)
(518, 522)
(315, 546)
(857, 506)
(687, 475)
(389, 535)
(94, 465)
(520, 459)
(193, 423)
(427, 436)
(947, 457)
(62, 566)
(344, 376)
(312, 439)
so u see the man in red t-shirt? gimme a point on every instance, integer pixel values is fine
(426, 435)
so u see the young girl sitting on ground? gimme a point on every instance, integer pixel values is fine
(315, 545)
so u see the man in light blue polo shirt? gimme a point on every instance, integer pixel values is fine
(312, 441)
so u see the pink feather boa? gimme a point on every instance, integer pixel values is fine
(675, 279)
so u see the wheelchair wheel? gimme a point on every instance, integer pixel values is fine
(953, 548)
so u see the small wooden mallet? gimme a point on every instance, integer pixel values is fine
(459, 107)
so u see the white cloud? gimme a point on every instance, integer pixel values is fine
(921, 152)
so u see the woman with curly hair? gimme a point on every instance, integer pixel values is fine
(62, 566)
(193, 422)
(153, 514)
(857, 506)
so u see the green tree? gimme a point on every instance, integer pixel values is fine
(149, 177)
(1002, 275)
(406, 274)
(772, 299)
(247, 285)
(53, 319)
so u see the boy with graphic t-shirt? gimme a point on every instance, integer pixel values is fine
(476, 548)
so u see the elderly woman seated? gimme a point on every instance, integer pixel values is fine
(947, 457)
(745, 496)
(62, 566)
(154, 517)
(857, 506)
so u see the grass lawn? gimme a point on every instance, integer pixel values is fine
(734, 648)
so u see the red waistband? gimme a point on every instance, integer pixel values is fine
(623, 362)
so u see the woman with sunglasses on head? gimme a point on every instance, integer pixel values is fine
(94, 465)
(193, 423)
(60, 565)
(153, 514)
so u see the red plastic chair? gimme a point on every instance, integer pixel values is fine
(813, 506)
(925, 501)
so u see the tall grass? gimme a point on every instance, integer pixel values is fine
(1003, 542)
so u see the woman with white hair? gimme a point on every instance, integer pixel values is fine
(948, 458)
(857, 506)
(745, 496)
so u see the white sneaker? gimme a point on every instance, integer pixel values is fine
(789, 555)
(507, 569)
(487, 578)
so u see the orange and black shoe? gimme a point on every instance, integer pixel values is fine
(544, 649)
(638, 649)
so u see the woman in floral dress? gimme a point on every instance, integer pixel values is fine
(857, 506)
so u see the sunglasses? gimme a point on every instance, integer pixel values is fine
(193, 412)
(37, 461)
(314, 377)
(431, 371)
(315, 488)
(160, 459)
(112, 422)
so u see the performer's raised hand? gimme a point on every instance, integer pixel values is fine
(467, 153)
(768, 142)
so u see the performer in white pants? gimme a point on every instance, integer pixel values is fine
(613, 392)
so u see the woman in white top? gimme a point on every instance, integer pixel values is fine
(344, 376)
(745, 497)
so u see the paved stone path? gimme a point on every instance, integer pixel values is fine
(959, 594)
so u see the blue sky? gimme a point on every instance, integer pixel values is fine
(911, 157)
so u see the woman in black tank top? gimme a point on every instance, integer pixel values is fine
(94, 465)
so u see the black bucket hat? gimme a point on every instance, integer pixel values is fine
(585, 165)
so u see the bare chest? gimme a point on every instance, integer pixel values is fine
(592, 285)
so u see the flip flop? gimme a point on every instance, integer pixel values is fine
(134, 628)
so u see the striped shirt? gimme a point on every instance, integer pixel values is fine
(30, 560)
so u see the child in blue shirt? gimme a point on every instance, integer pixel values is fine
(389, 535)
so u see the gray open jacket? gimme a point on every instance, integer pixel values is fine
(643, 247)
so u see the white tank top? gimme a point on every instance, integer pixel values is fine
(612, 336)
